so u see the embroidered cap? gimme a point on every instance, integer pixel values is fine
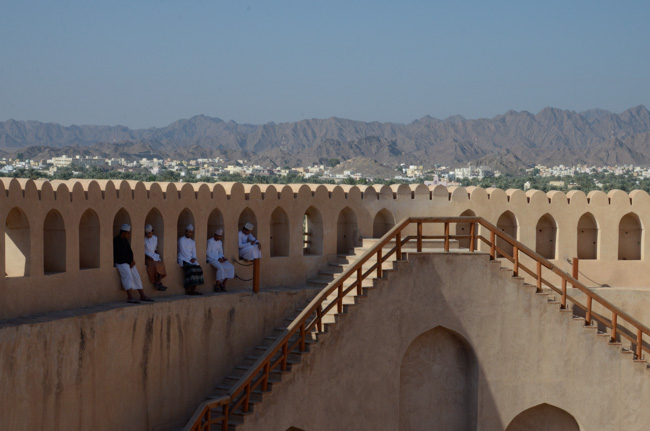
(125, 227)
(249, 226)
(148, 228)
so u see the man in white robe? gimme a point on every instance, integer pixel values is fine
(193, 274)
(155, 266)
(215, 257)
(249, 247)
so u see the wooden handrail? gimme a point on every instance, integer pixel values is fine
(302, 326)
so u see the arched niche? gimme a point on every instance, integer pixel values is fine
(184, 218)
(438, 383)
(629, 237)
(280, 236)
(312, 232)
(215, 221)
(384, 221)
(17, 244)
(54, 247)
(89, 240)
(463, 229)
(347, 231)
(546, 236)
(587, 237)
(247, 216)
(507, 223)
(155, 219)
(543, 417)
(122, 217)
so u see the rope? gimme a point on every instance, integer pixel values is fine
(239, 263)
(590, 279)
(243, 279)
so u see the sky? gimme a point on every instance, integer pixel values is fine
(148, 63)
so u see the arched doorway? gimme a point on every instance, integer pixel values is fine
(346, 231)
(246, 216)
(546, 236)
(312, 227)
(280, 238)
(17, 244)
(384, 221)
(89, 240)
(54, 249)
(155, 219)
(629, 237)
(587, 237)
(463, 229)
(543, 417)
(438, 383)
(507, 222)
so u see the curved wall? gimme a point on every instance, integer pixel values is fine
(57, 236)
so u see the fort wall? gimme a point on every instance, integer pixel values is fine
(57, 236)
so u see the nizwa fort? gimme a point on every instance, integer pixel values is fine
(379, 308)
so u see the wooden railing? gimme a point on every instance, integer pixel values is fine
(490, 239)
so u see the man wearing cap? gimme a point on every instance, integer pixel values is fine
(193, 274)
(215, 257)
(249, 247)
(123, 261)
(155, 266)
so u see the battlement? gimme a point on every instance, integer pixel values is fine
(57, 236)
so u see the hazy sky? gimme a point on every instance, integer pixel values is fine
(143, 63)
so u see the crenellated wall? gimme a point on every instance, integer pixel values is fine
(57, 236)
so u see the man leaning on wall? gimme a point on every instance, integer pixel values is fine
(123, 261)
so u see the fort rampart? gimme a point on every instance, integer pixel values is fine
(57, 236)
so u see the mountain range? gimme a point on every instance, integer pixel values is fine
(509, 141)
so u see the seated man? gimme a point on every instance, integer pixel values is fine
(193, 274)
(249, 247)
(155, 266)
(215, 257)
(123, 261)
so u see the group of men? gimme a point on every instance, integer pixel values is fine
(249, 249)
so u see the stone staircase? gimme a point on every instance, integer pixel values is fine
(326, 274)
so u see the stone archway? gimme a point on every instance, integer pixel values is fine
(543, 417)
(630, 233)
(546, 236)
(587, 237)
(384, 221)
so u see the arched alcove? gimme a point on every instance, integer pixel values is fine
(629, 237)
(89, 240)
(438, 383)
(507, 222)
(464, 228)
(543, 417)
(17, 244)
(546, 236)
(184, 218)
(384, 221)
(247, 216)
(215, 221)
(122, 217)
(312, 232)
(587, 237)
(155, 219)
(54, 247)
(347, 231)
(280, 236)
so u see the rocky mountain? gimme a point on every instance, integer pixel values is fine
(552, 136)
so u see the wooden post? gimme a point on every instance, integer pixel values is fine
(588, 317)
(359, 282)
(612, 339)
(256, 275)
(247, 398)
(446, 237)
(319, 322)
(639, 344)
(539, 276)
(379, 263)
(493, 245)
(265, 382)
(339, 299)
(472, 236)
(224, 424)
(515, 265)
(574, 273)
(563, 304)
(419, 249)
(398, 245)
(285, 355)
(302, 337)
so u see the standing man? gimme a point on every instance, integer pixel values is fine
(215, 257)
(249, 247)
(193, 274)
(155, 266)
(123, 261)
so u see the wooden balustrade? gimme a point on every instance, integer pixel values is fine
(295, 336)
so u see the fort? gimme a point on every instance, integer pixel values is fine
(439, 336)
